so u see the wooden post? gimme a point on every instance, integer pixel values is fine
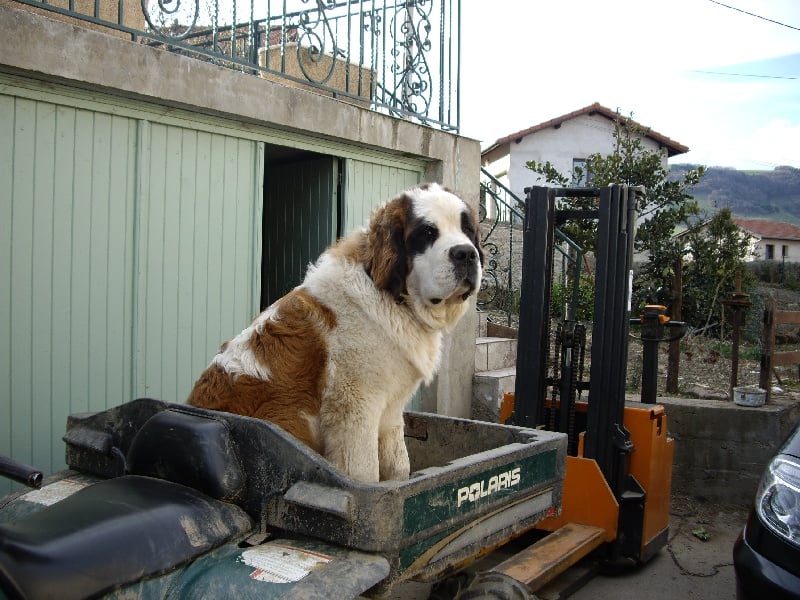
(767, 347)
(737, 303)
(674, 357)
(769, 358)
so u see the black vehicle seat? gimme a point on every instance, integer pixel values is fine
(191, 449)
(120, 530)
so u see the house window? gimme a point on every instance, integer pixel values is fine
(580, 173)
(784, 252)
(769, 252)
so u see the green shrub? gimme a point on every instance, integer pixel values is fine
(562, 297)
(787, 274)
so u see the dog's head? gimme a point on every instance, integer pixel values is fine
(423, 249)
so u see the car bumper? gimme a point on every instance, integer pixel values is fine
(758, 578)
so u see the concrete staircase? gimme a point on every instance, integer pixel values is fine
(495, 369)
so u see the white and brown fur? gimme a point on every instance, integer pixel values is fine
(335, 360)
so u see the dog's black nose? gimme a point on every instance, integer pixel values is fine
(463, 254)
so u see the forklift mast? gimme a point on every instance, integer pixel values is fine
(606, 439)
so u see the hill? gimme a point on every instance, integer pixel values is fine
(773, 195)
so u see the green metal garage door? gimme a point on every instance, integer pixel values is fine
(369, 184)
(128, 252)
(131, 246)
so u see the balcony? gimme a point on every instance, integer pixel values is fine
(394, 57)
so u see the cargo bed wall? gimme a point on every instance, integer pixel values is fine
(466, 473)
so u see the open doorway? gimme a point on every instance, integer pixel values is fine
(300, 217)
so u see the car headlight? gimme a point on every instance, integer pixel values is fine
(778, 498)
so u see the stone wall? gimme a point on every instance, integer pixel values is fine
(721, 448)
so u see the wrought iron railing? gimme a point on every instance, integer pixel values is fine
(399, 57)
(501, 218)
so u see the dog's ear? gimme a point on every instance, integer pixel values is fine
(469, 225)
(386, 261)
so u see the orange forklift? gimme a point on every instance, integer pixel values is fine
(616, 493)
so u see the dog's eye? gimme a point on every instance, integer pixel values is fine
(423, 236)
(426, 232)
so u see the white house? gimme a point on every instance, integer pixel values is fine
(566, 141)
(772, 240)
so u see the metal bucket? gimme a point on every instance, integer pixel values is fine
(749, 396)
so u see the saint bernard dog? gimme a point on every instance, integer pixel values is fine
(335, 360)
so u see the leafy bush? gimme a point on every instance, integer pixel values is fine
(562, 296)
(787, 274)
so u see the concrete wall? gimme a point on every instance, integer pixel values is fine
(792, 249)
(721, 448)
(339, 75)
(575, 138)
(108, 11)
(52, 51)
(499, 167)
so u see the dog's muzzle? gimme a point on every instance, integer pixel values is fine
(465, 266)
(463, 254)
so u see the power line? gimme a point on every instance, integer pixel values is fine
(755, 15)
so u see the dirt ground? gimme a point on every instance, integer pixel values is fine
(705, 367)
(696, 563)
(703, 371)
(705, 364)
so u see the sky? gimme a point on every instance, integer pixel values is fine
(724, 83)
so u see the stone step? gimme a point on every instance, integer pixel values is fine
(488, 388)
(480, 330)
(486, 328)
(493, 353)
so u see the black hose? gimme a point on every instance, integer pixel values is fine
(21, 472)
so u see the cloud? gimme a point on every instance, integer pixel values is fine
(526, 62)
(776, 143)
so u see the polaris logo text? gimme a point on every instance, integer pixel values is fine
(481, 489)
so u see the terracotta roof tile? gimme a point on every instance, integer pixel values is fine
(769, 229)
(673, 147)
